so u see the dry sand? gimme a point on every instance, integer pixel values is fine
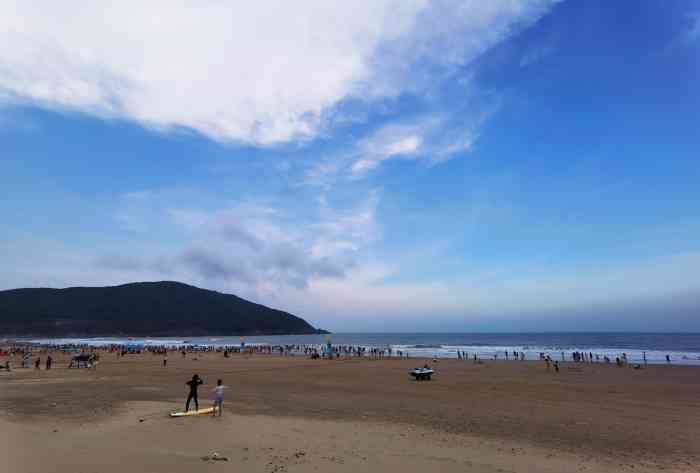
(296, 414)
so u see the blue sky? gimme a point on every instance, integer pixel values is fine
(383, 166)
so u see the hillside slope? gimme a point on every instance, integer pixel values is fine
(144, 308)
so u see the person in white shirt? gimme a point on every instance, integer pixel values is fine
(218, 397)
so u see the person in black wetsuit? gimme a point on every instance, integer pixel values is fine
(193, 384)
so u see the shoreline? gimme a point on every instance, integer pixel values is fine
(290, 345)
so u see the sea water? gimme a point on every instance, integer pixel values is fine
(683, 348)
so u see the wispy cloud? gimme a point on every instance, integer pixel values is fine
(258, 248)
(392, 141)
(432, 139)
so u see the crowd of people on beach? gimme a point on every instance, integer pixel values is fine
(24, 354)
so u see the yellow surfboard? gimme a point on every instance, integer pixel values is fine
(207, 410)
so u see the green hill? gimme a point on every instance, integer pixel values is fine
(144, 308)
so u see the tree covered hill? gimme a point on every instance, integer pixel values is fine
(144, 308)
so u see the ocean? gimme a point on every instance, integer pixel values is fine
(683, 348)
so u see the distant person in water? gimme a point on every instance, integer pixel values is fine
(218, 397)
(193, 384)
(668, 358)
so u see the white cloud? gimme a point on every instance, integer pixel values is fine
(389, 142)
(260, 72)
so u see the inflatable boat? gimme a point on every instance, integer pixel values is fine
(422, 373)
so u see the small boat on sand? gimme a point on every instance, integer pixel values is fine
(422, 373)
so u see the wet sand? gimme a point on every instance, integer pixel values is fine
(296, 414)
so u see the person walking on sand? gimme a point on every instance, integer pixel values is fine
(218, 398)
(49, 360)
(193, 384)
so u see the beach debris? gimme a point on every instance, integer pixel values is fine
(214, 456)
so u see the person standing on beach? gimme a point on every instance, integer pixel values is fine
(193, 384)
(218, 397)
(49, 360)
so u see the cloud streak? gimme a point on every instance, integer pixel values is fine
(432, 139)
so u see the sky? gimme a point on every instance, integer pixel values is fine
(383, 165)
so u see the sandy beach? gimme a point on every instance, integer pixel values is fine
(296, 414)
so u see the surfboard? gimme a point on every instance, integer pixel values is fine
(207, 410)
